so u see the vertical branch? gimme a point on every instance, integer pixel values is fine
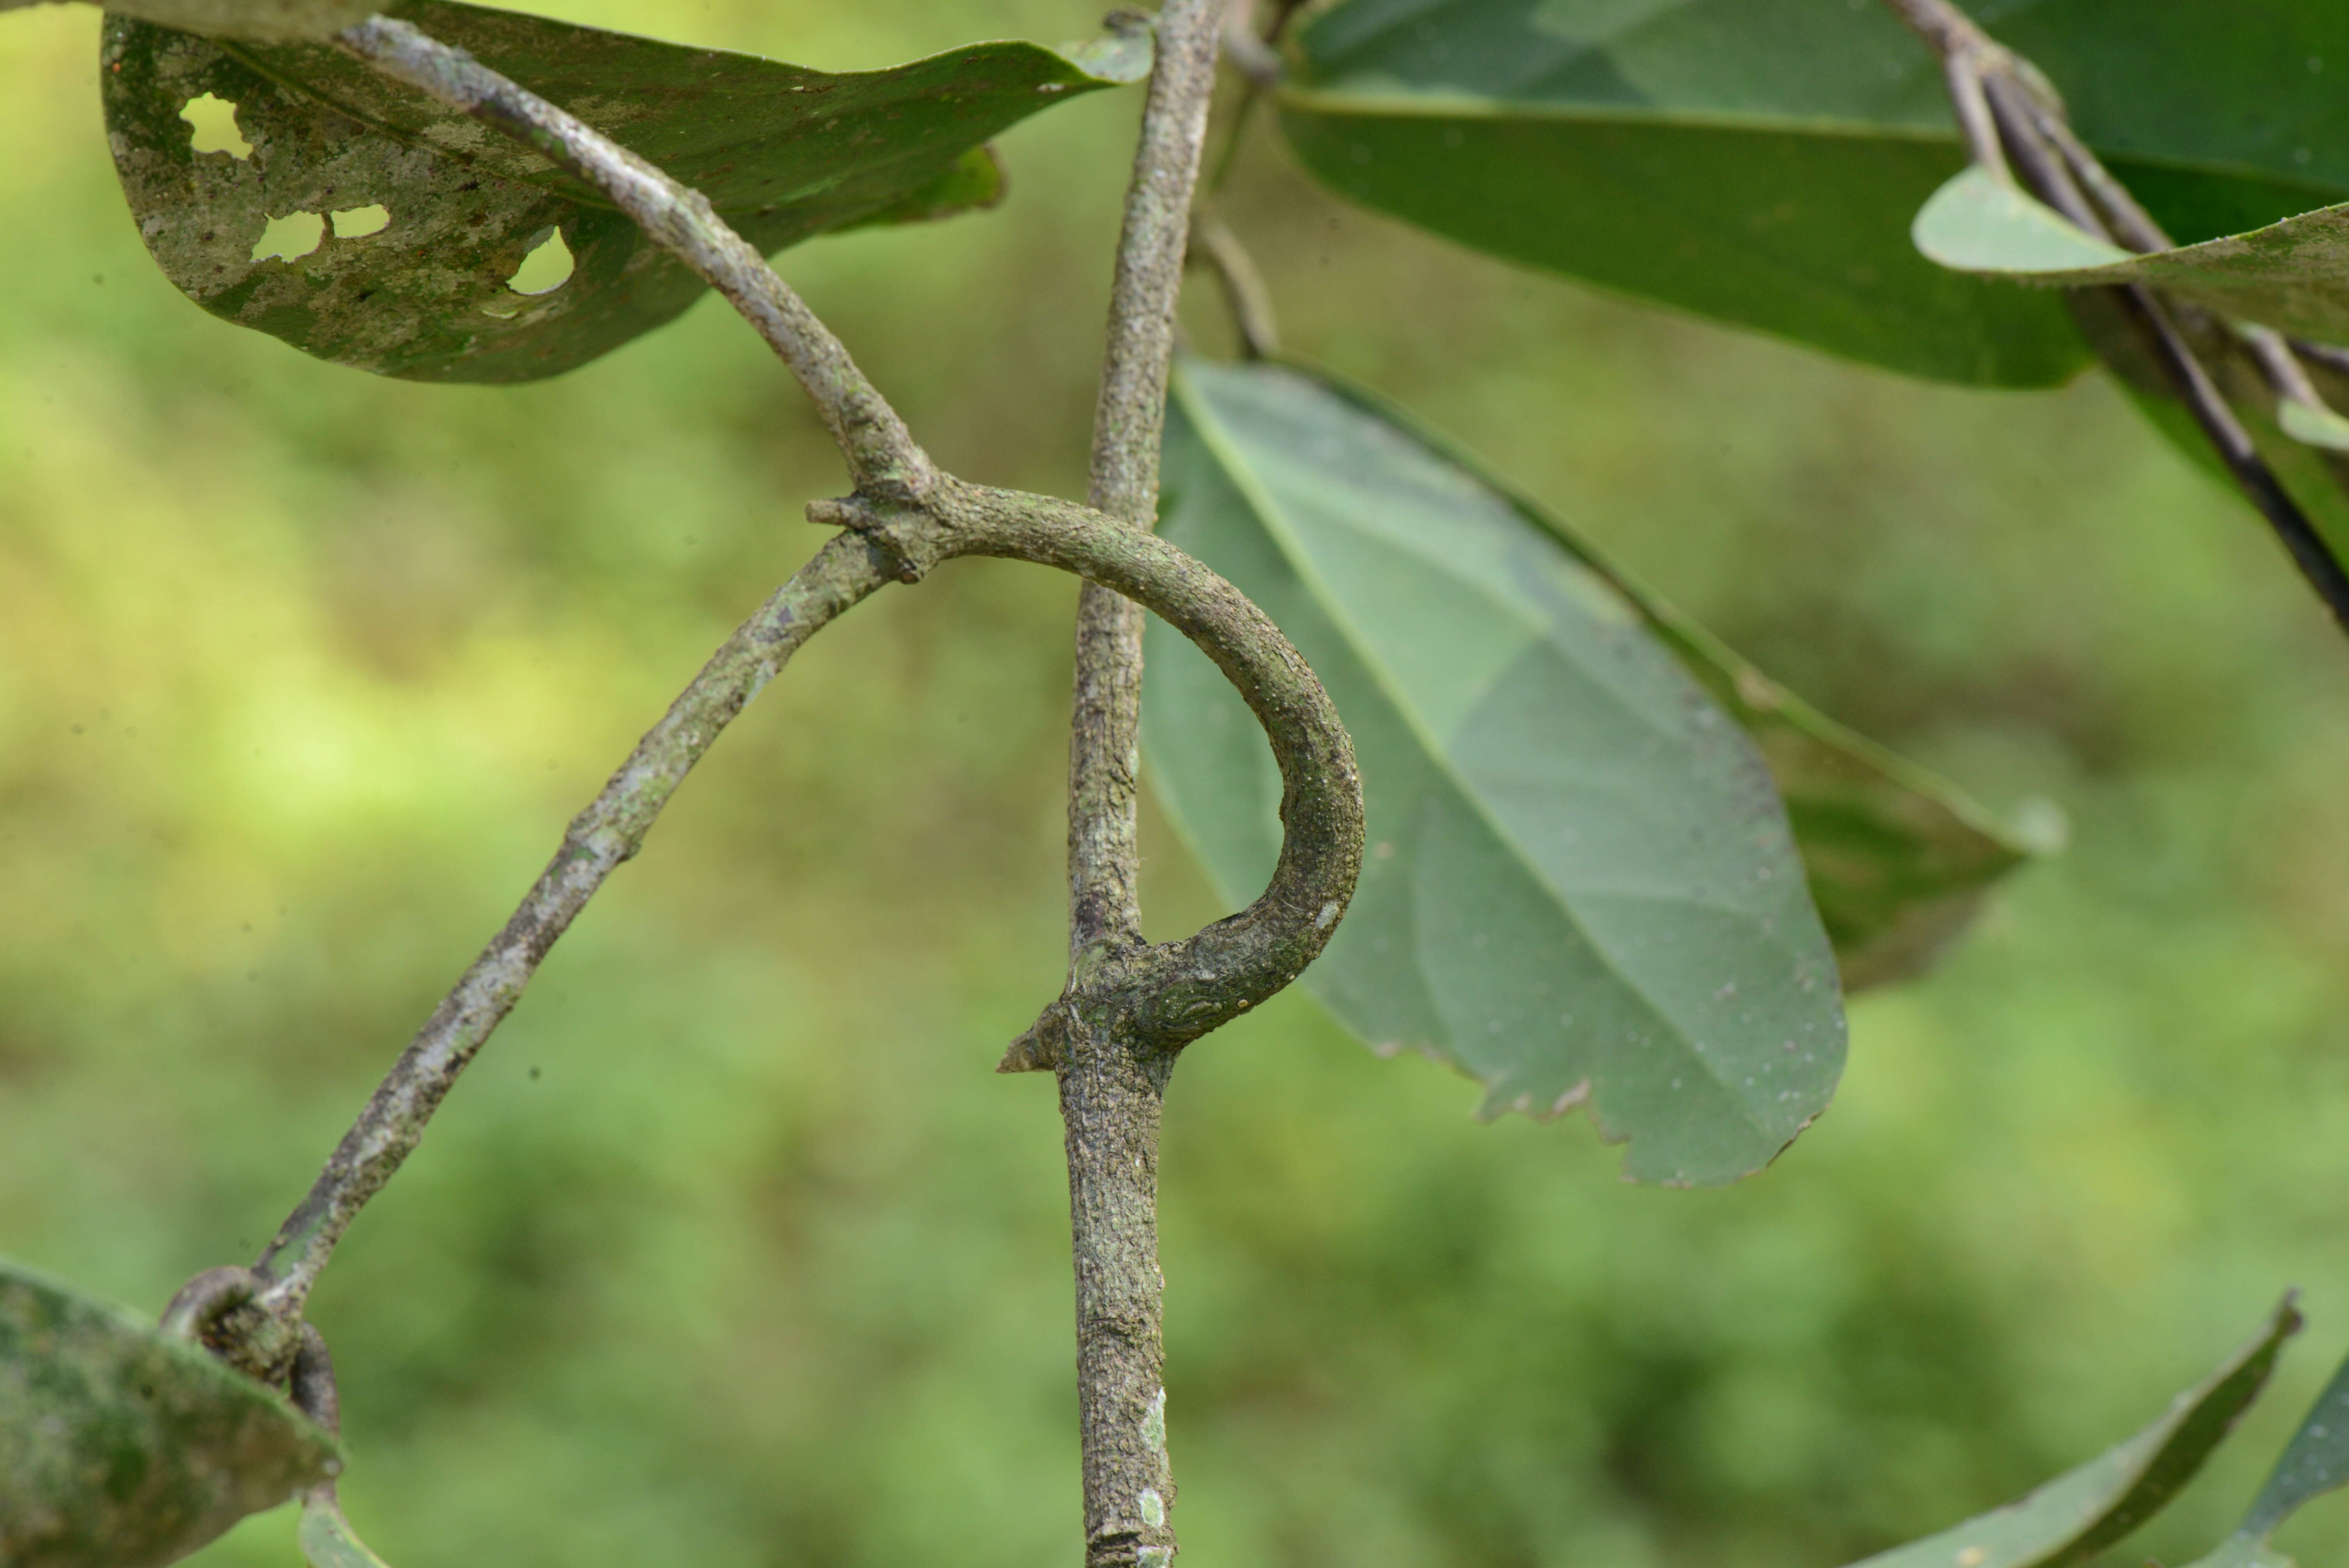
(1104, 907)
(1111, 1080)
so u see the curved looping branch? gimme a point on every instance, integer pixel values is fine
(1173, 993)
(1128, 1007)
(1170, 993)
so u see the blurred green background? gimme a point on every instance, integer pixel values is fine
(731, 1251)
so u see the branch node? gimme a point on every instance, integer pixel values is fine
(1038, 1049)
(906, 536)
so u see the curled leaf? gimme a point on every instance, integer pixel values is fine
(2082, 1511)
(2314, 1462)
(2292, 275)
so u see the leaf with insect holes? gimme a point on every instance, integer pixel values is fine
(1756, 161)
(1581, 886)
(2314, 1462)
(366, 225)
(2292, 275)
(2083, 1512)
(262, 20)
(124, 1446)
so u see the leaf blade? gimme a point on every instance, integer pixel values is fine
(122, 1447)
(327, 1538)
(2094, 1506)
(1898, 861)
(2292, 275)
(782, 152)
(1735, 157)
(1566, 918)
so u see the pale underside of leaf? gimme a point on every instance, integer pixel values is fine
(1898, 860)
(2292, 275)
(2088, 1510)
(121, 1447)
(422, 289)
(1580, 888)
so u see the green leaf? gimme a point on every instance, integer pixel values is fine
(2314, 1462)
(123, 1447)
(1756, 161)
(1579, 888)
(2292, 275)
(264, 20)
(2086, 1511)
(388, 227)
(327, 1538)
(2312, 425)
(1898, 861)
(1980, 223)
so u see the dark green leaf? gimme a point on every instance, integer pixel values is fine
(402, 222)
(122, 1447)
(2292, 275)
(2086, 1511)
(263, 20)
(327, 1538)
(1580, 887)
(2314, 1462)
(1758, 160)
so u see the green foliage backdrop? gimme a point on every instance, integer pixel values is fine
(733, 1252)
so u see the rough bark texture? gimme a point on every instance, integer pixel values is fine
(1110, 1091)
(1105, 739)
(1128, 1008)
(1115, 1233)
(609, 831)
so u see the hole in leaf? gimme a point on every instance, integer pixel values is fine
(214, 120)
(546, 268)
(361, 220)
(294, 236)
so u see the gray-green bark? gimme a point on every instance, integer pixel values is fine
(1128, 1008)
(1112, 1208)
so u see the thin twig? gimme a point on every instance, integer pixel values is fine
(1251, 55)
(1127, 1009)
(2057, 167)
(881, 451)
(1245, 295)
(608, 832)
